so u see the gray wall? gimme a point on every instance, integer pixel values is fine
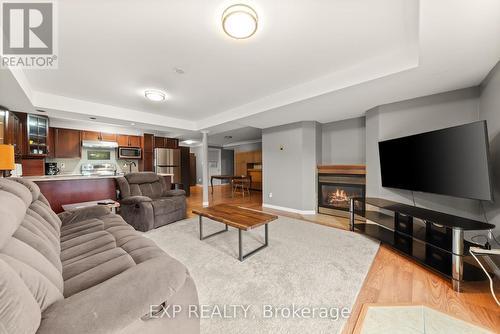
(414, 116)
(489, 110)
(344, 142)
(290, 173)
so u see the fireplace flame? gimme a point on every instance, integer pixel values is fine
(339, 195)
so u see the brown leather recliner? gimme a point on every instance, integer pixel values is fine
(146, 203)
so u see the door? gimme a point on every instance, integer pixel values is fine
(192, 169)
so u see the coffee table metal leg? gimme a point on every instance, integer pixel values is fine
(242, 256)
(210, 235)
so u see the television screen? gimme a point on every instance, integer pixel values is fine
(452, 161)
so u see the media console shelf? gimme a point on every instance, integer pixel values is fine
(432, 238)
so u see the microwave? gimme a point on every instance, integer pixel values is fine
(129, 153)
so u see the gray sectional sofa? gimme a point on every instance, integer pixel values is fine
(83, 272)
(147, 203)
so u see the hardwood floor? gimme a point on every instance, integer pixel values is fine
(392, 277)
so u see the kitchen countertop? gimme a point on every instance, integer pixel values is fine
(65, 177)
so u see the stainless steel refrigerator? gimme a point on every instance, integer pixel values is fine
(168, 161)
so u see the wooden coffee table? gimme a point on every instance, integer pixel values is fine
(237, 217)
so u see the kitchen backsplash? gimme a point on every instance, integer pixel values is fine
(72, 166)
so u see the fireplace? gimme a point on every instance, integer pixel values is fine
(337, 185)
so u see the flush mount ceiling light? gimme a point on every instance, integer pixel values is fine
(155, 95)
(239, 21)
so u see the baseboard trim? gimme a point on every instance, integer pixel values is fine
(282, 208)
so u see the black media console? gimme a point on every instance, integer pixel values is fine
(434, 239)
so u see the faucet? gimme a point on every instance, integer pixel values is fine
(129, 163)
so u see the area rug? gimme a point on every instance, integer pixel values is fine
(306, 281)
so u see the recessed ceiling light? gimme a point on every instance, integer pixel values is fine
(239, 21)
(40, 110)
(93, 118)
(189, 142)
(228, 137)
(155, 95)
(179, 70)
(133, 124)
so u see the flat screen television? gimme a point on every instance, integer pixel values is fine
(452, 161)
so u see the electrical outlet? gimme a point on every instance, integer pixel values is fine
(270, 195)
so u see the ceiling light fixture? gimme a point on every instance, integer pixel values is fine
(239, 21)
(155, 95)
(179, 70)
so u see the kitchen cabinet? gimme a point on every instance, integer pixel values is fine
(172, 143)
(148, 152)
(108, 136)
(90, 135)
(134, 141)
(256, 175)
(67, 143)
(160, 142)
(37, 130)
(33, 167)
(102, 136)
(128, 141)
(249, 163)
(14, 133)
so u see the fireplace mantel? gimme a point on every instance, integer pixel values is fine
(342, 169)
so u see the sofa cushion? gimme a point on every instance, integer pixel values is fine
(19, 312)
(29, 248)
(166, 205)
(98, 249)
(142, 184)
(143, 177)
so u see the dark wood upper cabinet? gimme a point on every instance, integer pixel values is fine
(134, 141)
(67, 143)
(52, 144)
(108, 136)
(91, 135)
(172, 142)
(14, 134)
(37, 133)
(128, 141)
(94, 135)
(122, 140)
(160, 142)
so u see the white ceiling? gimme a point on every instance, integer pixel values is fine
(321, 60)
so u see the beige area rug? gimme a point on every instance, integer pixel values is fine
(311, 268)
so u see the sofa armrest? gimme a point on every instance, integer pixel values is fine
(117, 302)
(95, 211)
(175, 192)
(135, 200)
